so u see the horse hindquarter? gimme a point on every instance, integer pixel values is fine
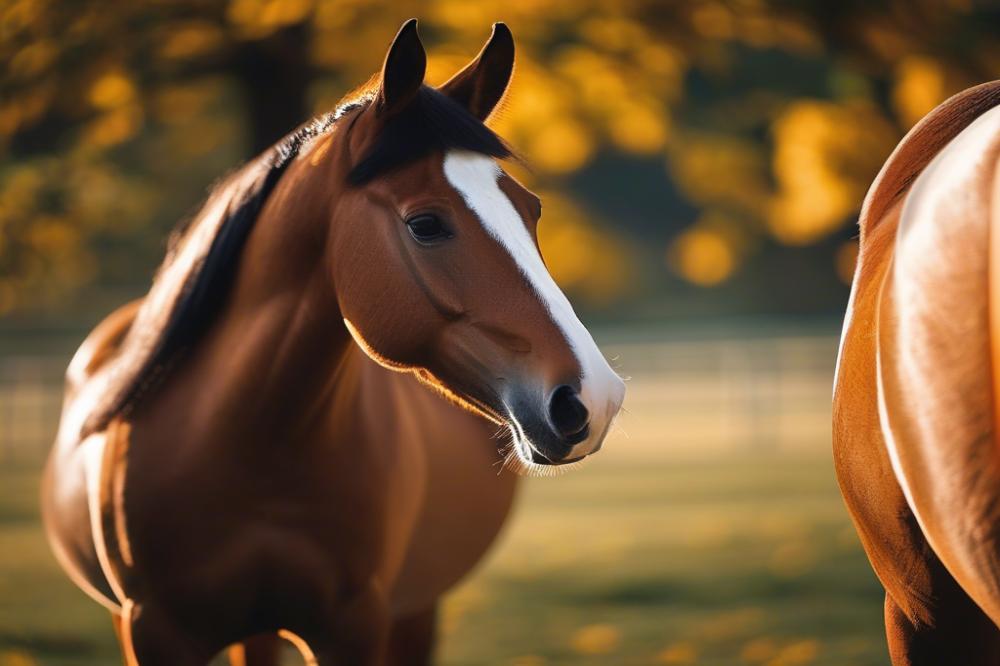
(929, 617)
(935, 372)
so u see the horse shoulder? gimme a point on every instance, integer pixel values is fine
(70, 485)
(100, 345)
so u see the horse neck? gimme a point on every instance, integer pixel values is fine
(280, 349)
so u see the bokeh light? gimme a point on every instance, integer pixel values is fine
(756, 110)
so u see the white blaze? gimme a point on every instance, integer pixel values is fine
(476, 178)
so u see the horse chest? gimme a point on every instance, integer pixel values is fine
(202, 520)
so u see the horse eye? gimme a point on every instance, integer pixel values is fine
(427, 229)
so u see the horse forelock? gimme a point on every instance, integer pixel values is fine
(432, 123)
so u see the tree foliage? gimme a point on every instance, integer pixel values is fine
(762, 121)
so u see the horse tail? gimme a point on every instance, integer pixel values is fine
(936, 336)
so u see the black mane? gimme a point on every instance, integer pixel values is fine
(158, 338)
(202, 297)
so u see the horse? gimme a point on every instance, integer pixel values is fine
(298, 431)
(917, 387)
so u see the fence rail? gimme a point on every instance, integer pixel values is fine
(30, 400)
(698, 397)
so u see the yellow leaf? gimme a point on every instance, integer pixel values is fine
(640, 129)
(919, 87)
(15, 657)
(32, 60)
(191, 39)
(702, 256)
(113, 127)
(758, 650)
(678, 654)
(112, 90)
(596, 639)
(796, 654)
(561, 146)
(826, 154)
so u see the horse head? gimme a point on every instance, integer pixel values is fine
(434, 258)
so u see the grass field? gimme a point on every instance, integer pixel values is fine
(747, 561)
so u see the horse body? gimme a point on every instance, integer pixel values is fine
(260, 497)
(287, 469)
(914, 434)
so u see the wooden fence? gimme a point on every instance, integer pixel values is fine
(692, 397)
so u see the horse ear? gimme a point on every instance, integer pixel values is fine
(403, 71)
(483, 82)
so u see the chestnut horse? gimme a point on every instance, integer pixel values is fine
(260, 445)
(918, 385)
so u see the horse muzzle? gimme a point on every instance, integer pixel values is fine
(559, 426)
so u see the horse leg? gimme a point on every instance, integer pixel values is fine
(151, 638)
(412, 638)
(262, 650)
(352, 632)
(961, 634)
(116, 622)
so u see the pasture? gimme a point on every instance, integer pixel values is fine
(709, 531)
(729, 562)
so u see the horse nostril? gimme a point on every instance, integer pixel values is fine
(568, 415)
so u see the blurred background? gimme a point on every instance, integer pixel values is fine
(702, 164)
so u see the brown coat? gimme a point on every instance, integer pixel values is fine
(913, 415)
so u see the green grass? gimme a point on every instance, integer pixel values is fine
(737, 562)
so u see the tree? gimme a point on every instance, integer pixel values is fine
(743, 127)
